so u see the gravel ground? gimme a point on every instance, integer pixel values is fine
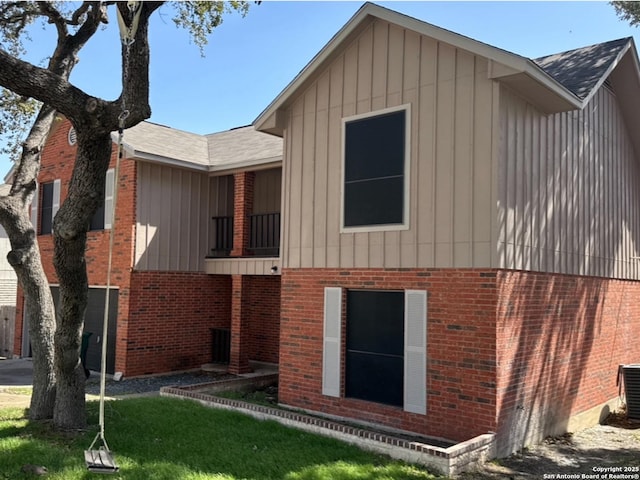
(147, 385)
(610, 451)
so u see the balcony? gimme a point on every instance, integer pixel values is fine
(264, 235)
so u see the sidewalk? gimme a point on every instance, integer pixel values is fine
(15, 373)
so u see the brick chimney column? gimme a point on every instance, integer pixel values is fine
(242, 207)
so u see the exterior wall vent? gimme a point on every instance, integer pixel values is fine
(631, 375)
(71, 137)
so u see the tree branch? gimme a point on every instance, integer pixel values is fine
(39, 83)
(54, 17)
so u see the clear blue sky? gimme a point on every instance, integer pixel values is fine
(250, 60)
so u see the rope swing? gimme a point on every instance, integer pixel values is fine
(101, 460)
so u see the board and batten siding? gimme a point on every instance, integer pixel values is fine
(453, 116)
(173, 217)
(569, 190)
(267, 191)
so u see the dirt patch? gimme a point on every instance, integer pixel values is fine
(611, 450)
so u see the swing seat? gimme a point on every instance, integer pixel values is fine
(100, 461)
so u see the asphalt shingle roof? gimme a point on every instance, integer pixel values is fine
(161, 141)
(244, 145)
(581, 69)
(236, 147)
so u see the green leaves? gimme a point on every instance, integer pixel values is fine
(628, 11)
(16, 117)
(201, 17)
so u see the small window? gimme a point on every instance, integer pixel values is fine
(50, 193)
(101, 220)
(375, 170)
(46, 221)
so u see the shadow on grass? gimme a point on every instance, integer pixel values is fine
(159, 438)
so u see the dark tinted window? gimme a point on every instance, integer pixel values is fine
(374, 367)
(46, 212)
(374, 170)
(97, 221)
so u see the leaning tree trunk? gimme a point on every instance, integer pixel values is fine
(86, 191)
(24, 257)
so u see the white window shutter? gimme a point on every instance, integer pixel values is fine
(415, 351)
(331, 343)
(108, 198)
(35, 205)
(55, 205)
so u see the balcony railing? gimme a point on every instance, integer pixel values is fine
(264, 234)
(222, 236)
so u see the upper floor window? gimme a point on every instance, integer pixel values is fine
(102, 218)
(47, 198)
(50, 193)
(375, 170)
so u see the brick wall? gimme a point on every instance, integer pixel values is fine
(560, 340)
(461, 391)
(263, 304)
(514, 352)
(57, 163)
(170, 320)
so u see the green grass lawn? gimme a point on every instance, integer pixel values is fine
(169, 439)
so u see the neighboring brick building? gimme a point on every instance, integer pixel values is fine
(174, 226)
(461, 232)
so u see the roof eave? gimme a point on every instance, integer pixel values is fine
(134, 154)
(253, 165)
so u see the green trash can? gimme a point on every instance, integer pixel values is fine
(83, 352)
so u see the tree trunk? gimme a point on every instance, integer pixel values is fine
(86, 192)
(24, 257)
(39, 311)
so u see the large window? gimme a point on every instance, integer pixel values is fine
(374, 363)
(384, 356)
(375, 169)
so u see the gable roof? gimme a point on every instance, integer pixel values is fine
(232, 149)
(584, 69)
(547, 82)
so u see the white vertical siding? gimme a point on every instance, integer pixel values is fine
(173, 218)
(451, 163)
(569, 201)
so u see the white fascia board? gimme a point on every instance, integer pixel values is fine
(260, 164)
(159, 159)
(611, 68)
(310, 68)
